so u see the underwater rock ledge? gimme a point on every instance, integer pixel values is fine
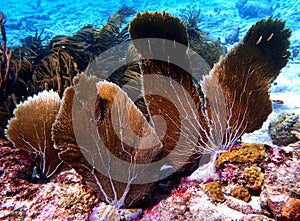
(67, 197)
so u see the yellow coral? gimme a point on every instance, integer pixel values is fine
(254, 176)
(241, 193)
(247, 153)
(215, 191)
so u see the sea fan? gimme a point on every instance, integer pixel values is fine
(236, 91)
(105, 138)
(30, 129)
(99, 131)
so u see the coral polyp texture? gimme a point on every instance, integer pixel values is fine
(243, 154)
(121, 148)
(241, 193)
(254, 176)
(215, 190)
(281, 128)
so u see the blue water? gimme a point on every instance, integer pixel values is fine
(217, 18)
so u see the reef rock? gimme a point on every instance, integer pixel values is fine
(280, 129)
(275, 197)
(65, 198)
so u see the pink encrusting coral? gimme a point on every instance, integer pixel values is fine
(277, 199)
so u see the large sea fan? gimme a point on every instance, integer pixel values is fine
(120, 150)
(235, 93)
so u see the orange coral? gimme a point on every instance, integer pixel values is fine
(254, 176)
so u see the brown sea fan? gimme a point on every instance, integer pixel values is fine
(236, 92)
(104, 137)
(100, 132)
(30, 129)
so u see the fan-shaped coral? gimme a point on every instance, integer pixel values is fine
(30, 129)
(99, 131)
(236, 96)
(103, 138)
(32, 68)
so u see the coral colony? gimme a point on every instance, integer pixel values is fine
(76, 118)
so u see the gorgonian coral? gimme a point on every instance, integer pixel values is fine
(236, 91)
(120, 150)
(27, 70)
(30, 129)
(112, 128)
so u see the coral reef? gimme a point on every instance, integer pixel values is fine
(280, 129)
(233, 37)
(34, 67)
(281, 182)
(278, 199)
(253, 9)
(15, 163)
(65, 198)
(117, 149)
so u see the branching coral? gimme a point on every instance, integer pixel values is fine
(71, 55)
(191, 16)
(200, 42)
(15, 78)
